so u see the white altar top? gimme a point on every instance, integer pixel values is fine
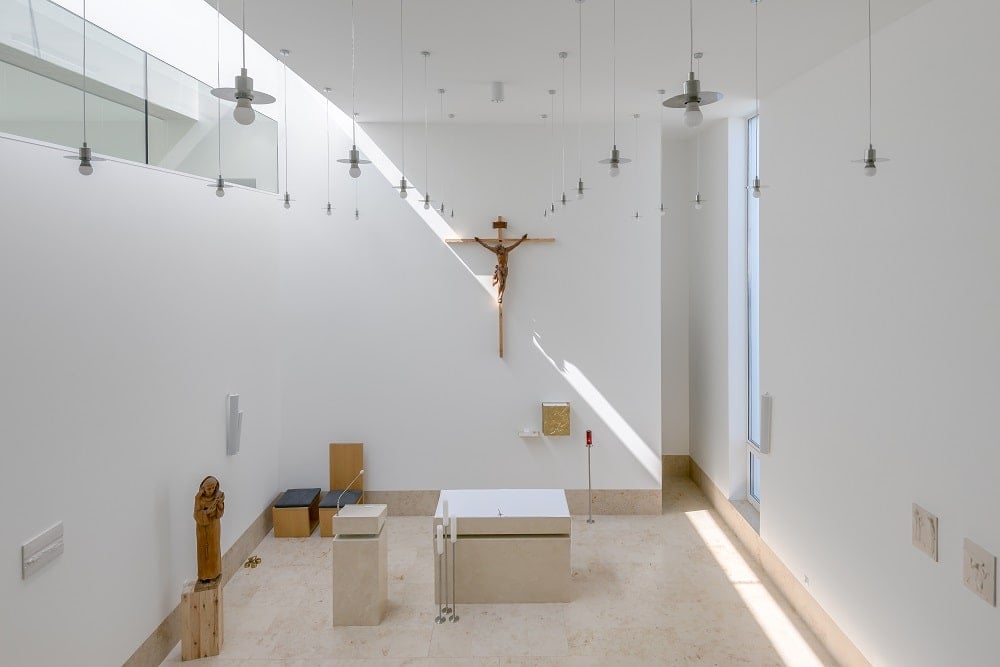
(483, 503)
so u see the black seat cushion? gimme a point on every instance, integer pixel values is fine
(350, 498)
(297, 498)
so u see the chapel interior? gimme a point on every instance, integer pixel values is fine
(454, 332)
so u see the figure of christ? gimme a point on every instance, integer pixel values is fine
(500, 272)
(209, 506)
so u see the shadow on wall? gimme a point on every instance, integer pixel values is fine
(592, 396)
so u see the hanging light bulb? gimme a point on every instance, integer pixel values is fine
(562, 57)
(354, 156)
(580, 189)
(357, 214)
(693, 97)
(755, 185)
(427, 173)
(661, 92)
(402, 109)
(220, 184)
(698, 202)
(326, 106)
(755, 188)
(286, 200)
(243, 93)
(635, 118)
(616, 160)
(870, 156)
(551, 147)
(84, 154)
(663, 210)
(693, 115)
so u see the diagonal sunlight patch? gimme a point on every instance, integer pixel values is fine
(785, 638)
(611, 417)
(391, 173)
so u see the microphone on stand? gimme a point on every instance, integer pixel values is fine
(360, 473)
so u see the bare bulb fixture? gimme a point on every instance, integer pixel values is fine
(242, 91)
(693, 97)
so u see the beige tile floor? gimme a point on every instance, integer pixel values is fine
(649, 590)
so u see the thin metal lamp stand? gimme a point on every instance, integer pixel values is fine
(590, 490)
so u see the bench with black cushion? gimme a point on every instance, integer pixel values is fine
(296, 513)
(328, 508)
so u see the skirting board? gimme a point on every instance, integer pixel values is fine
(826, 630)
(605, 501)
(158, 645)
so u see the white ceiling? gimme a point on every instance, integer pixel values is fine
(474, 42)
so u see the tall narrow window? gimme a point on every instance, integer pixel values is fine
(753, 310)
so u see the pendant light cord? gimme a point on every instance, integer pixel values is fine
(218, 75)
(691, 20)
(85, 71)
(427, 173)
(328, 148)
(402, 96)
(579, 55)
(244, 34)
(354, 82)
(285, 113)
(869, 72)
(614, 29)
(756, 48)
(563, 124)
(552, 142)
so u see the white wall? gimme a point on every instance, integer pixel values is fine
(392, 339)
(677, 184)
(133, 301)
(879, 326)
(717, 343)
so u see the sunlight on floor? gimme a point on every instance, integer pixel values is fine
(785, 638)
(611, 417)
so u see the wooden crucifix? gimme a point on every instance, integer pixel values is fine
(502, 251)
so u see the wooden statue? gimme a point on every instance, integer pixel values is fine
(209, 506)
(497, 247)
(501, 269)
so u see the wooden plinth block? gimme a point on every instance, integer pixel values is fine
(201, 619)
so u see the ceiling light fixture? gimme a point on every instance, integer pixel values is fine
(441, 92)
(85, 155)
(354, 156)
(402, 111)
(579, 127)
(562, 57)
(693, 97)
(329, 204)
(243, 93)
(870, 156)
(427, 173)
(286, 200)
(616, 160)
(220, 184)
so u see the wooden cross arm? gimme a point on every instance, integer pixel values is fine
(489, 240)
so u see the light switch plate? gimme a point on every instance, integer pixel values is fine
(979, 571)
(925, 532)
